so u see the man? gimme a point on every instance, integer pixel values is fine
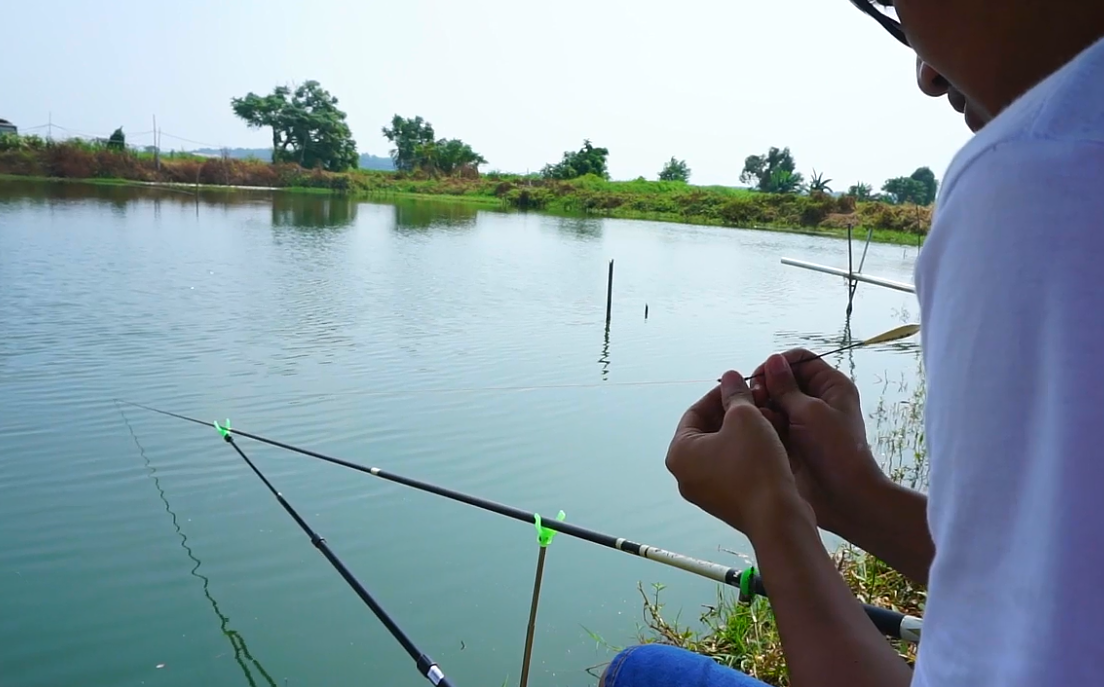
(1011, 291)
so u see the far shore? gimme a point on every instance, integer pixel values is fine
(889, 236)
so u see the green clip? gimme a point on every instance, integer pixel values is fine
(223, 430)
(747, 594)
(544, 535)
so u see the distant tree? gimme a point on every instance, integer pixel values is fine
(117, 141)
(785, 181)
(415, 148)
(901, 190)
(675, 170)
(586, 160)
(409, 136)
(307, 127)
(926, 177)
(773, 172)
(449, 156)
(818, 184)
(861, 191)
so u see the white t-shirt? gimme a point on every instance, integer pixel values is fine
(1011, 290)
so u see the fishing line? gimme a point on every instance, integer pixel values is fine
(237, 642)
(426, 666)
(891, 623)
(891, 335)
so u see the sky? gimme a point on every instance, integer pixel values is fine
(707, 81)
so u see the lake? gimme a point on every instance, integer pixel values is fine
(461, 346)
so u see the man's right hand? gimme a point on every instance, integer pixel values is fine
(816, 410)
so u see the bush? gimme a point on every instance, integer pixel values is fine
(526, 198)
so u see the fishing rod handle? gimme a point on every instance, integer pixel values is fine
(890, 623)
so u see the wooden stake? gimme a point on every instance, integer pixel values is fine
(609, 294)
(533, 616)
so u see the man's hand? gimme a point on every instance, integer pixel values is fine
(815, 409)
(730, 462)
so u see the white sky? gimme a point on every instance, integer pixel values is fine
(709, 81)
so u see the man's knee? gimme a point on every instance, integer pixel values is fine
(660, 665)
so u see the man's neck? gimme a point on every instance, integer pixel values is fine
(1044, 48)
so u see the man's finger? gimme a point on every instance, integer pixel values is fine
(734, 390)
(704, 415)
(783, 386)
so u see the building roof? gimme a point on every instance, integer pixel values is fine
(4, 121)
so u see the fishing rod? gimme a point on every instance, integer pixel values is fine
(889, 622)
(427, 666)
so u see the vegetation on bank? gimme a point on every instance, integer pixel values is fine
(745, 636)
(674, 201)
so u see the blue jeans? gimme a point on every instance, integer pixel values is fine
(659, 665)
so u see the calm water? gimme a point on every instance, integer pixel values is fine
(367, 331)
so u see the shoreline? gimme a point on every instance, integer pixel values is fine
(884, 236)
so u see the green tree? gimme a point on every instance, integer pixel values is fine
(861, 191)
(307, 127)
(818, 184)
(415, 148)
(901, 190)
(773, 172)
(117, 141)
(586, 160)
(410, 137)
(675, 170)
(925, 176)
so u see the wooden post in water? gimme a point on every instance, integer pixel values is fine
(609, 294)
(851, 283)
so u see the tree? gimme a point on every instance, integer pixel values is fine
(773, 172)
(818, 184)
(410, 137)
(861, 191)
(307, 127)
(675, 170)
(925, 176)
(415, 148)
(904, 190)
(117, 141)
(451, 155)
(587, 160)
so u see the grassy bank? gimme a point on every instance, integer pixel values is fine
(816, 213)
(744, 636)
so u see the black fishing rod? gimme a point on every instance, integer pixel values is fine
(889, 622)
(427, 666)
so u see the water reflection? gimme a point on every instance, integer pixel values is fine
(604, 360)
(313, 211)
(242, 656)
(120, 197)
(583, 228)
(420, 214)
